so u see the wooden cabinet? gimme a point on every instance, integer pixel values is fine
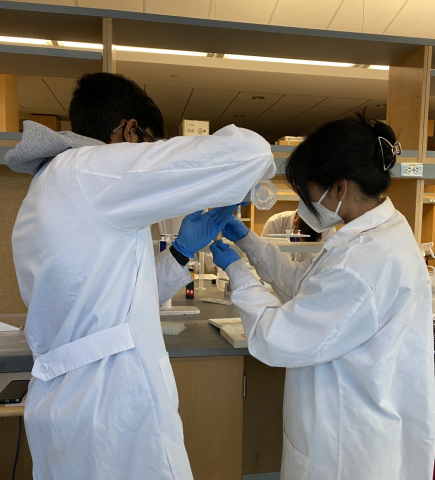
(9, 428)
(226, 435)
(211, 407)
(262, 417)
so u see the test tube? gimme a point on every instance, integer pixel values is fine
(201, 271)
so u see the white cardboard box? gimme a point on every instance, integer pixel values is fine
(194, 127)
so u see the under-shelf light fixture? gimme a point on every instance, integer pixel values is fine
(91, 46)
(379, 67)
(161, 51)
(28, 41)
(294, 61)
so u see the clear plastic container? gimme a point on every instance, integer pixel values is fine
(263, 195)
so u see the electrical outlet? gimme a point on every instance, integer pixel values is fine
(411, 169)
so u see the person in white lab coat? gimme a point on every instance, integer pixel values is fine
(102, 402)
(354, 327)
(290, 220)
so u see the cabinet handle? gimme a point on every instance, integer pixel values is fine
(245, 384)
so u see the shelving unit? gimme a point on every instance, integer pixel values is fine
(408, 95)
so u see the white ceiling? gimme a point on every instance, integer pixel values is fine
(296, 99)
(393, 17)
(273, 116)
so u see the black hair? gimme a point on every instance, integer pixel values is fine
(343, 149)
(307, 230)
(101, 100)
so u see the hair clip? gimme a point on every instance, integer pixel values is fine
(396, 149)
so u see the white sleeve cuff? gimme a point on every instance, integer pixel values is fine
(240, 275)
(254, 246)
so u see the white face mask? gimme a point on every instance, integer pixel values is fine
(327, 219)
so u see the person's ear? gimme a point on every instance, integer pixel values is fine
(130, 134)
(340, 188)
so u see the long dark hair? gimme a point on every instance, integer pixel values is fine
(343, 149)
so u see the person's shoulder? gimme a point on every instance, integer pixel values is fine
(282, 215)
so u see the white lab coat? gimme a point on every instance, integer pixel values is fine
(354, 330)
(280, 222)
(102, 402)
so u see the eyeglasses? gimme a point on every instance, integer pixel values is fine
(141, 133)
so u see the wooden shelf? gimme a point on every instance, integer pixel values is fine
(159, 31)
(48, 61)
(11, 411)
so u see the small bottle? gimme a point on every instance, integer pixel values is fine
(190, 287)
(162, 243)
(239, 212)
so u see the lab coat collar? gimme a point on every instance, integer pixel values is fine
(371, 219)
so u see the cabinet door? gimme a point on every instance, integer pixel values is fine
(211, 407)
(262, 417)
(9, 427)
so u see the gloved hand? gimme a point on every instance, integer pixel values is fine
(223, 255)
(235, 229)
(198, 229)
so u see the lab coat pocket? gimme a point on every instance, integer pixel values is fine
(294, 463)
(169, 379)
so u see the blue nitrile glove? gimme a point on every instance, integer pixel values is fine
(223, 255)
(198, 229)
(235, 229)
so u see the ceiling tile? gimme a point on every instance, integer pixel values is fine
(302, 13)
(31, 83)
(60, 84)
(246, 107)
(281, 113)
(26, 96)
(416, 19)
(209, 94)
(171, 110)
(250, 11)
(230, 116)
(349, 17)
(318, 115)
(63, 97)
(159, 92)
(184, 8)
(211, 104)
(47, 108)
(127, 5)
(269, 98)
(307, 100)
(193, 113)
(215, 108)
(373, 110)
(342, 102)
(378, 14)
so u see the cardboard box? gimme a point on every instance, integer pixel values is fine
(430, 128)
(293, 141)
(194, 127)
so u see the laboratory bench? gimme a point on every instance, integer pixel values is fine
(230, 403)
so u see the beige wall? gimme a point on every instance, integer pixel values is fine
(13, 189)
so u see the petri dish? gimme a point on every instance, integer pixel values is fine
(264, 195)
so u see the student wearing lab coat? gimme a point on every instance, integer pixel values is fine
(102, 402)
(354, 327)
(290, 220)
